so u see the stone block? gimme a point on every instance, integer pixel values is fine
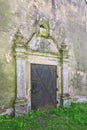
(21, 107)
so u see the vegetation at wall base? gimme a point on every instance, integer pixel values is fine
(73, 117)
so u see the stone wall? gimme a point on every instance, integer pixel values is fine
(67, 20)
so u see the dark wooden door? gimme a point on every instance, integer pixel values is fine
(43, 86)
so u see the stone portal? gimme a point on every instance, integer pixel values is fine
(40, 54)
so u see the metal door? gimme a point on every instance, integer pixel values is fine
(43, 86)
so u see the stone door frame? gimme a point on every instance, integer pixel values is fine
(24, 59)
(30, 52)
(43, 60)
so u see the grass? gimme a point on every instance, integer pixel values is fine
(73, 117)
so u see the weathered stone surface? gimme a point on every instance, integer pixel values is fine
(43, 45)
(21, 86)
(67, 21)
(9, 111)
(21, 107)
(80, 99)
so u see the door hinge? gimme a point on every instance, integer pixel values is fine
(56, 76)
(56, 89)
(57, 102)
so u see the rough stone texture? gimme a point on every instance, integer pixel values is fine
(66, 78)
(9, 111)
(21, 89)
(21, 107)
(67, 19)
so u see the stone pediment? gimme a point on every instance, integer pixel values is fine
(42, 44)
(40, 41)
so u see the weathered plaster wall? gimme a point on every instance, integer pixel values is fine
(67, 21)
(7, 64)
(76, 34)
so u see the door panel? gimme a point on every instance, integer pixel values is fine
(43, 86)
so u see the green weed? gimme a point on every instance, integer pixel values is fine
(73, 117)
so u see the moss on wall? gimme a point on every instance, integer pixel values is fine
(7, 69)
(7, 83)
